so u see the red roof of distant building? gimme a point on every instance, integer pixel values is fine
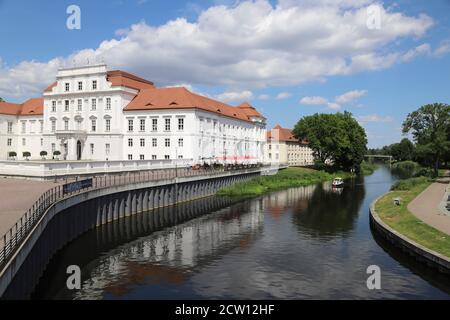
(279, 133)
(182, 98)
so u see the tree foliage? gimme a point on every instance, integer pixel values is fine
(403, 151)
(430, 128)
(335, 137)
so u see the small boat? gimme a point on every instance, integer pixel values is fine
(338, 182)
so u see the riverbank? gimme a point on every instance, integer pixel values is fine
(399, 218)
(287, 178)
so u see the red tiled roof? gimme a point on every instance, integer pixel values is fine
(125, 79)
(28, 108)
(283, 134)
(249, 110)
(181, 98)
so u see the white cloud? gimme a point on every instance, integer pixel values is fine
(248, 44)
(313, 101)
(350, 96)
(263, 97)
(235, 96)
(283, 95)
(443, 49)
(374, 118)
(333, 105)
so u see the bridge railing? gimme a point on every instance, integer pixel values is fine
(14, 237)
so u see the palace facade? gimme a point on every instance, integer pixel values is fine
(90, 113)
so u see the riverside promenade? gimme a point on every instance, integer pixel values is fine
(17, 196)
(426, 206)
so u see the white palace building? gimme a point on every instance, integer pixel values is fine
(91, 114)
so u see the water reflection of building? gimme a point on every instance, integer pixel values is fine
(276, 203)
(171, 255)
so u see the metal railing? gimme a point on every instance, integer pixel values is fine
(14, 237)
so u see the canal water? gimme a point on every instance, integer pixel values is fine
(301, 243)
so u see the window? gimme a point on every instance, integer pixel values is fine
(154, 142)
(167, 142)
(141, 157)
(80, 104)
(153, 156)
(107, 149)
(66, 125)
(108, 103)
(80, 85)
(41, 126)
(53, 148)
(167, 124)
(142, 142)
(9, 143)
(181, 124)
(24, 126)
(78, 124)
(94, 104)
(130, 125)
(154, 124)
(130, 142)
(92, 148)
(10, 127)
(94, 84)
(42, 142)
(66, 105)
(130, 157)
(180, 157)
(24, 142)
(53, 125)
(107, 125)
(180, 142)
(93, 125)
(53, 106)
(67, 86)
(167, 157)
(142, 125)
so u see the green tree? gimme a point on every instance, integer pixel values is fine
(429, 126)
(403, 151)
(336, 137)
(1, 99)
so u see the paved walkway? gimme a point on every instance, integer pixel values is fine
(16, 197)
(426, 206)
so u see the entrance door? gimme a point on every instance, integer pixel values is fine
(78, 150)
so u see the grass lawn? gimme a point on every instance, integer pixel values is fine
(287, 178)
(403, 221)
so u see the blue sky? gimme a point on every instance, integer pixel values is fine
(288, 58)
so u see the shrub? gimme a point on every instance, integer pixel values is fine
(408, 184)
(12, 154)
(43, 153)
(56, 153)
(26, 154)
(406, 169)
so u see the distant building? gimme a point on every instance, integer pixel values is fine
(92, 114)
(283, 148)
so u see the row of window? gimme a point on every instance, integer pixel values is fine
(80, 86)
(155, 142)
(167, 124)
(154, 157)
(80, 104)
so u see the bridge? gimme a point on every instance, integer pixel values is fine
(82, 205)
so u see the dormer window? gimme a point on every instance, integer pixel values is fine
(67, 87)
(94, 84)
